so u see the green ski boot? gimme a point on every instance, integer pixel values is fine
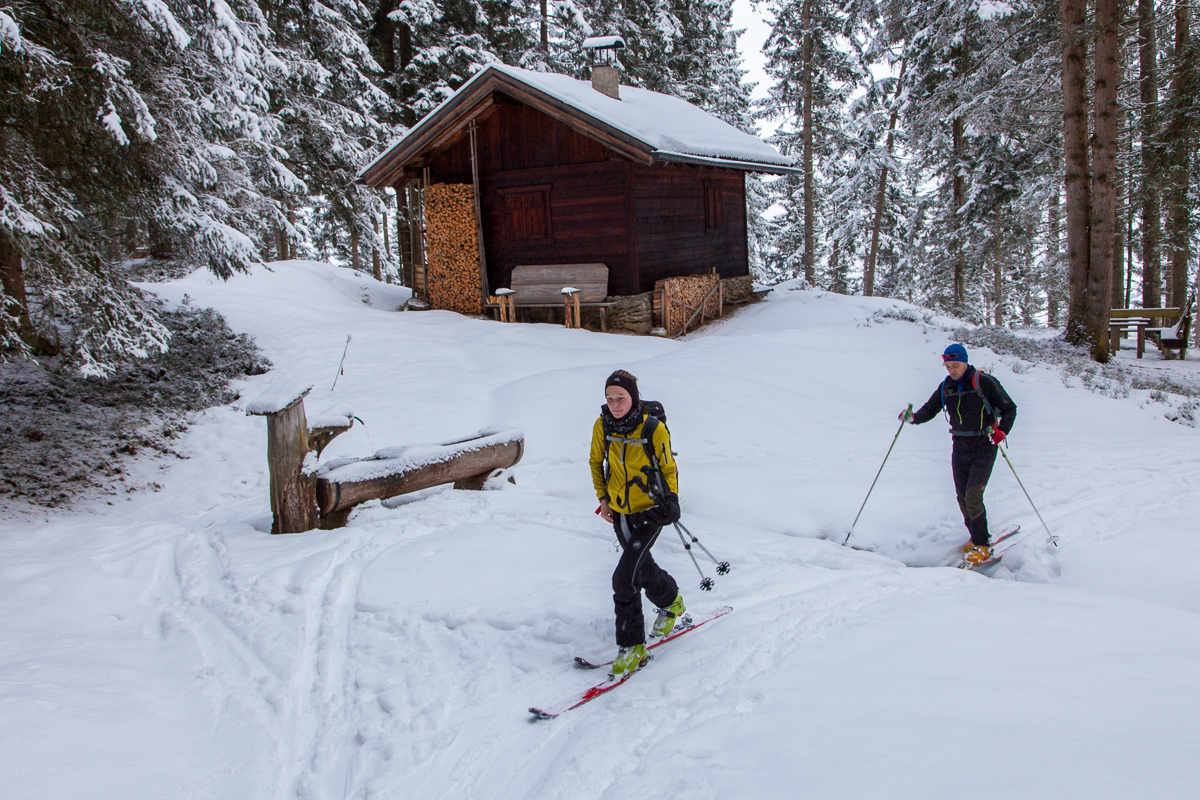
(664, 623)
(629, 659)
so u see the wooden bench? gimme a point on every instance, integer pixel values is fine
(542, 285)
(1175, 338)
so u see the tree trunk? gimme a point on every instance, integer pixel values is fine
(12, 277)
(999, 257)
(1151, 211)
(1098, 290)
(1081, 327)
(1120, 193)
(958, 135)
(1053, 255)
(355, 262)
(545, 27)
(281, 242)
(808, 259)
(376, 267)
(384, 35)
(881, 196)
(1182, 85)
(292, 247)
(405, 46)
(387, 241)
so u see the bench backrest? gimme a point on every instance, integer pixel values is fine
(1153, 313)
(543, 283)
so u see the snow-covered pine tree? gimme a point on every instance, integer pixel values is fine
(980, 119)
(136, 119)
(812, 73)
(336, 116)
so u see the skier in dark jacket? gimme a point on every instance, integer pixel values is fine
(623, 476)
(981, 415)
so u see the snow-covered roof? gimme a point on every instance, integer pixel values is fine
(646, 125)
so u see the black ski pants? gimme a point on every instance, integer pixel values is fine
(972, 460)
(637, 571)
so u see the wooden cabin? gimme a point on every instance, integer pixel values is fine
(529, 168)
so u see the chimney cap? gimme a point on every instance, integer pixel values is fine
(603, 43)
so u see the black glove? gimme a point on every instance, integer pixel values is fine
(666, 512)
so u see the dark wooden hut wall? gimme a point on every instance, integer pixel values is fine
(588, 221)
(644, 222)
(690, 220)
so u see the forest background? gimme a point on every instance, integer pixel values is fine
(1015, 162)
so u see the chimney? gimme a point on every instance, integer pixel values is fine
(604, 80)
(603, 51)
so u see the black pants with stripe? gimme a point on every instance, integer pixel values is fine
(971, 461)
(637, 571)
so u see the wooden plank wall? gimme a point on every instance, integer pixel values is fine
(589, 222)
(673, 237)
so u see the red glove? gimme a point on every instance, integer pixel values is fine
(997, 436)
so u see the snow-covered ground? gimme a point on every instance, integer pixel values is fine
(167, 646)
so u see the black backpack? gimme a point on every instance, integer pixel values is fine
(655, 415)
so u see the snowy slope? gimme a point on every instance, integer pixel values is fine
(166, 646)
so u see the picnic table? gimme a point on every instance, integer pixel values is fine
(1173, 336)
(1118, 328)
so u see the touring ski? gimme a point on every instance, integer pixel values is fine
(612, 681)
(685, 624)
(997, 551)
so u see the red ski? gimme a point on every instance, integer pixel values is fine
(612, 682)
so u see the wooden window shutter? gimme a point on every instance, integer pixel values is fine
(527, 212)
(712, 207)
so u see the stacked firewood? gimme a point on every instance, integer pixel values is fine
(687, 302)
(452, 248)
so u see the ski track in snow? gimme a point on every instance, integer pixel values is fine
(179, 651)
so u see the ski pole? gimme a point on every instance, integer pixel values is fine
(722, 566)
(706, 583)
(1053, 538)
(877, 474)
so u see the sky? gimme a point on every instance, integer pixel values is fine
(750, 43)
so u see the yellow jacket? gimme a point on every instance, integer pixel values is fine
(626, 458)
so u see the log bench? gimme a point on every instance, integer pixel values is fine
(305, 495)
(542, 285)
(467, 463)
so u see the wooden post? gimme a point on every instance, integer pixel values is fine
(508, 310)
(483, 278)
(293, 492)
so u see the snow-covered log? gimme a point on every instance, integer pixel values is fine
(400, 470)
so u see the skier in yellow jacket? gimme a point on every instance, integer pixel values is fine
(639, 497)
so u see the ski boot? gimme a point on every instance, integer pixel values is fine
(664, 623)
(629, 659)
(976, 554)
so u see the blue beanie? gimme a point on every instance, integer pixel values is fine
(955, 352)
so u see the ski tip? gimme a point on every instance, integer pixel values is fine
(583, 663)
(538, 714)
